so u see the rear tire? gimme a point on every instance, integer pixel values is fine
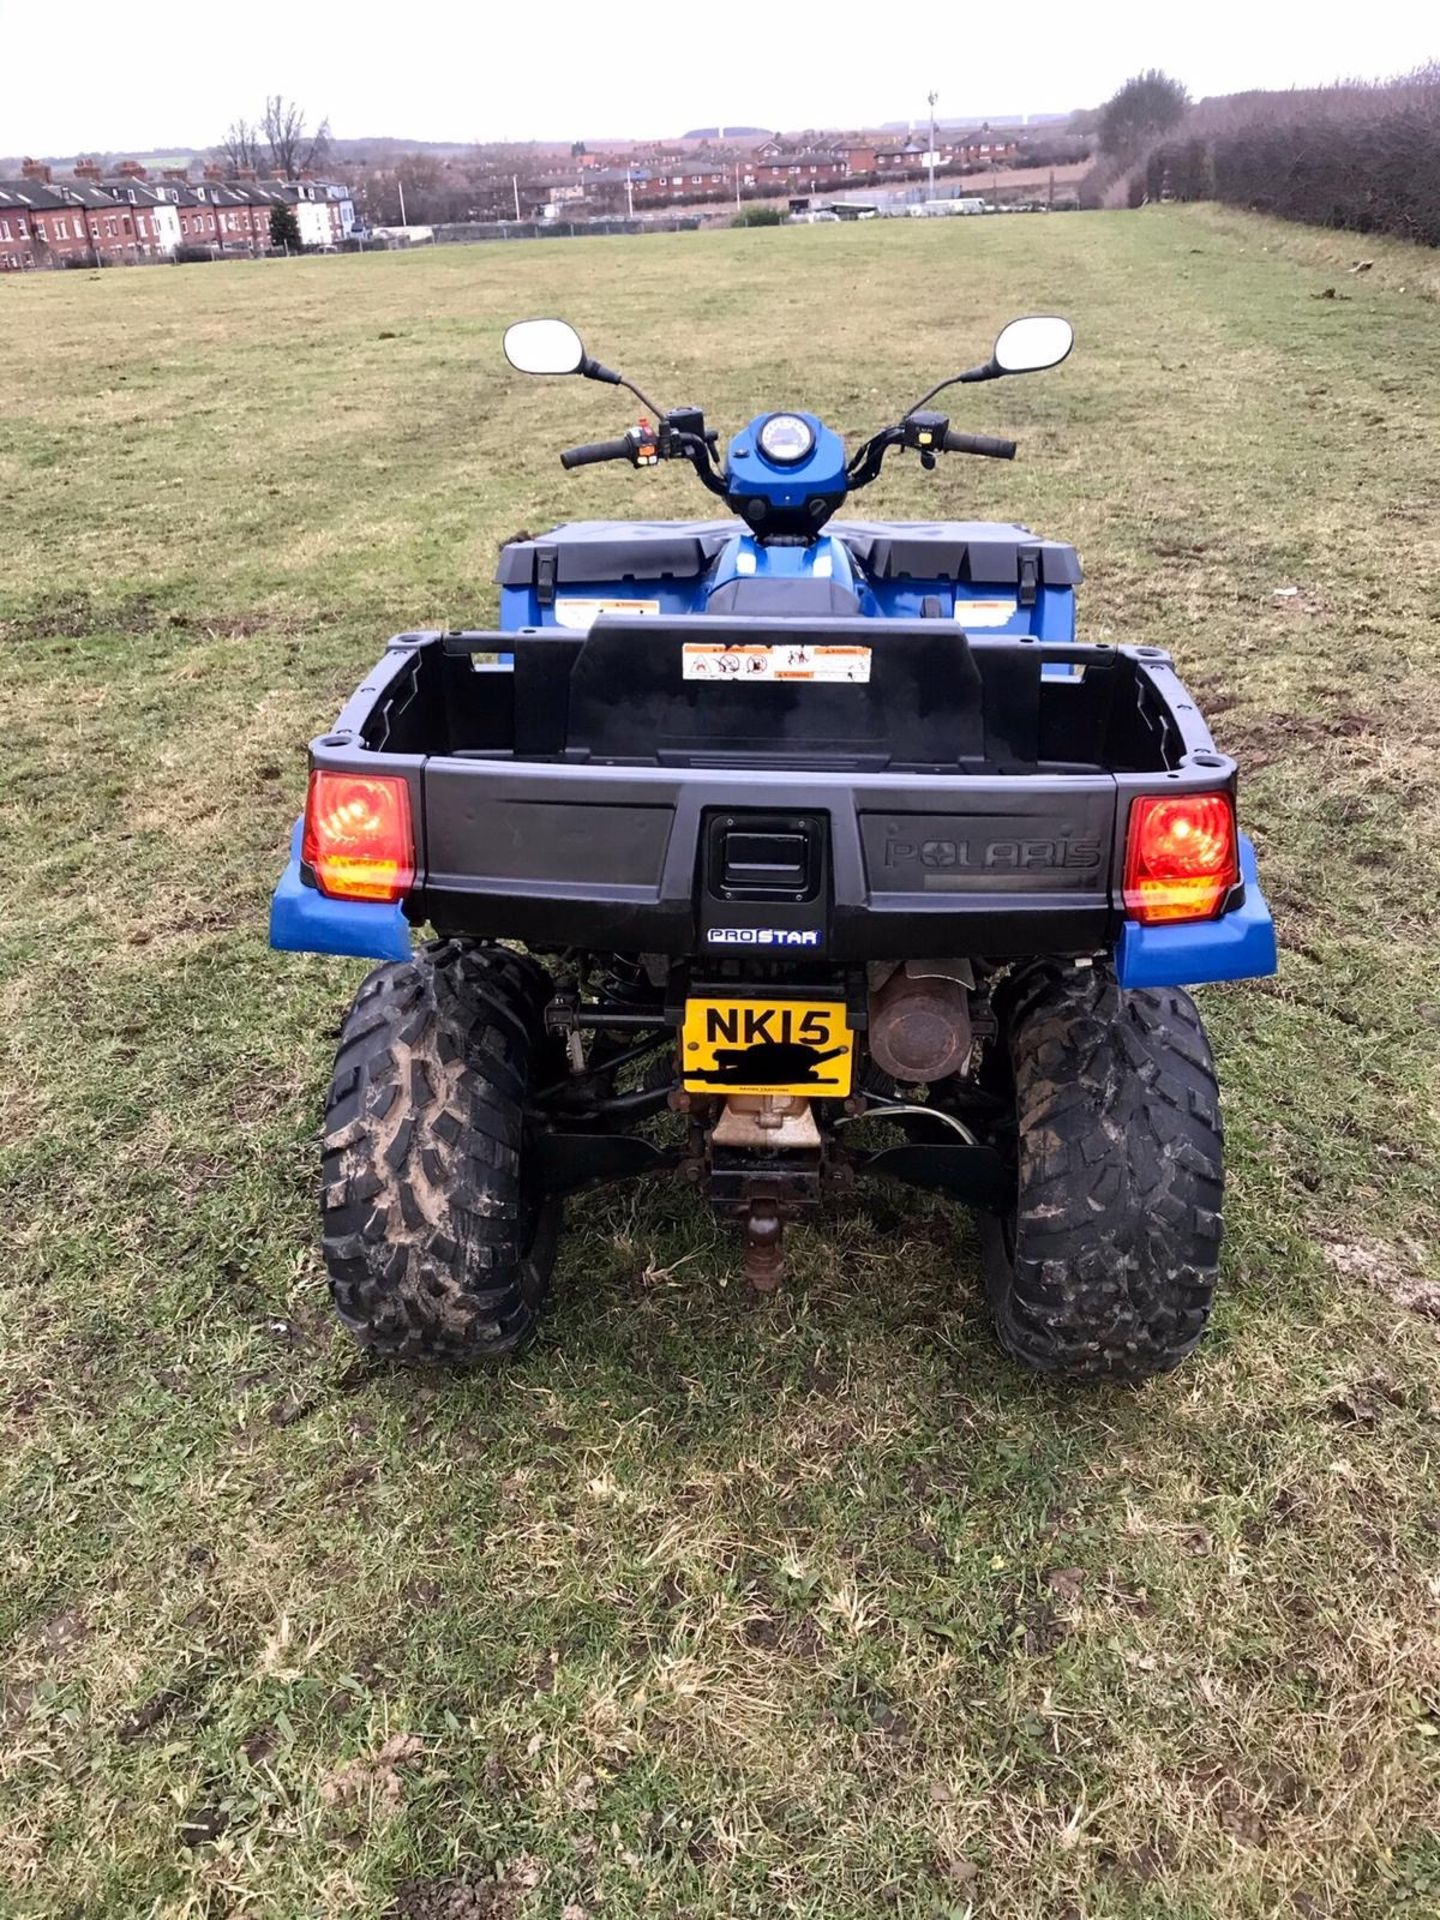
(1106, 1268)
(436, 1247)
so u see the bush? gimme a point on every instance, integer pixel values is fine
(284, 229)
(759, 217)
(186, 256)
(1103, 185)
(1179, 170)
(1365, 158)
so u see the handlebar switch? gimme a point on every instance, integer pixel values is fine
(925, 431)
(686, 420)
(644, 445)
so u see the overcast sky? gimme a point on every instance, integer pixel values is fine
(84, 75)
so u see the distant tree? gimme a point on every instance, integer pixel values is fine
(1052, 147)
(242, 146)
(281, 141)
(430, 192)
(421, 172)
(293, 148)
(284, 228)
(1144, 108)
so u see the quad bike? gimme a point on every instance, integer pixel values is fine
(768, 852)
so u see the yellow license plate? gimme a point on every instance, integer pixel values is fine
(767, 1046)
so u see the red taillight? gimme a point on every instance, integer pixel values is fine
(358, 840)
(1180, 858)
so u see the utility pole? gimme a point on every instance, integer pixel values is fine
(629, 191)
(932, 97)
(737, 186)
(401, 185)
(515, 188)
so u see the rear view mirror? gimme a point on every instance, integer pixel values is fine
(1027, 346)
(544, 346)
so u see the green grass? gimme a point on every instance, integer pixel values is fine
(800, 1607)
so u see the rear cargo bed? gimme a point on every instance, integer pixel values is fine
(966, 796)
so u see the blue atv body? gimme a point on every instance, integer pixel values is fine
(801, 823)
(1041, 605)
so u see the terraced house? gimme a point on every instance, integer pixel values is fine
(45, 223)
(127, 219)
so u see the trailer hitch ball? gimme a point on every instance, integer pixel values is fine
(919, 1026)
(764, 1246)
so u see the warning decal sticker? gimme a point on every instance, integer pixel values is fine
(985, 613)
(578, 615)
(704, 661)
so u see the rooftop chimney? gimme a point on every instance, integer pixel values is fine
(35, 170)
(87, 170)
(181, 174)
(130, 170)
(215, 173)
(245, 173)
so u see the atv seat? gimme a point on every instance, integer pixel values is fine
(785, 599)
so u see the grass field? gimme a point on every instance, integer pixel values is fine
(712, 1606)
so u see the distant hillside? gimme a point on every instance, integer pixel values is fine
(945, 122)
(157, 159)
(385, 146)
(382, 150)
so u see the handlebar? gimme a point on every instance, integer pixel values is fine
(931, 434)
(675, 442)
(982, 443)
(597, 451)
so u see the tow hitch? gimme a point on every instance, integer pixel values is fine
(767, 1163)
(764, 1247)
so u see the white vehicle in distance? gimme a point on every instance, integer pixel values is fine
(944, 209)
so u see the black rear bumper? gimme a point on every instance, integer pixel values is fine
(911, 866)
(610, 836)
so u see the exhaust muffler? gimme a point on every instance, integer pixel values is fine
(920, 1023)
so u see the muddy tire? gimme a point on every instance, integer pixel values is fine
(1106, 1268)
(435, 1247)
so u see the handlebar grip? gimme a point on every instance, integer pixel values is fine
(596, 451)
(979, 443)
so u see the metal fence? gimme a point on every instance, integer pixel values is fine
(471, 230)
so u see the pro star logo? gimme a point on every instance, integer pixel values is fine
(763, 937)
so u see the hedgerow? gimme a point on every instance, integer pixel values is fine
(1360, 156)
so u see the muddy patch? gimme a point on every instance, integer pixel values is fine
(374, 1776)
(468, 1896)
(83, 615)
(1257, 739)
(1389, 1271)
(60, 1632)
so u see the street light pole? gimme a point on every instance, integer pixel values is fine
(629, 191)
(932, 96)
(515, 185)
(401, 185)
